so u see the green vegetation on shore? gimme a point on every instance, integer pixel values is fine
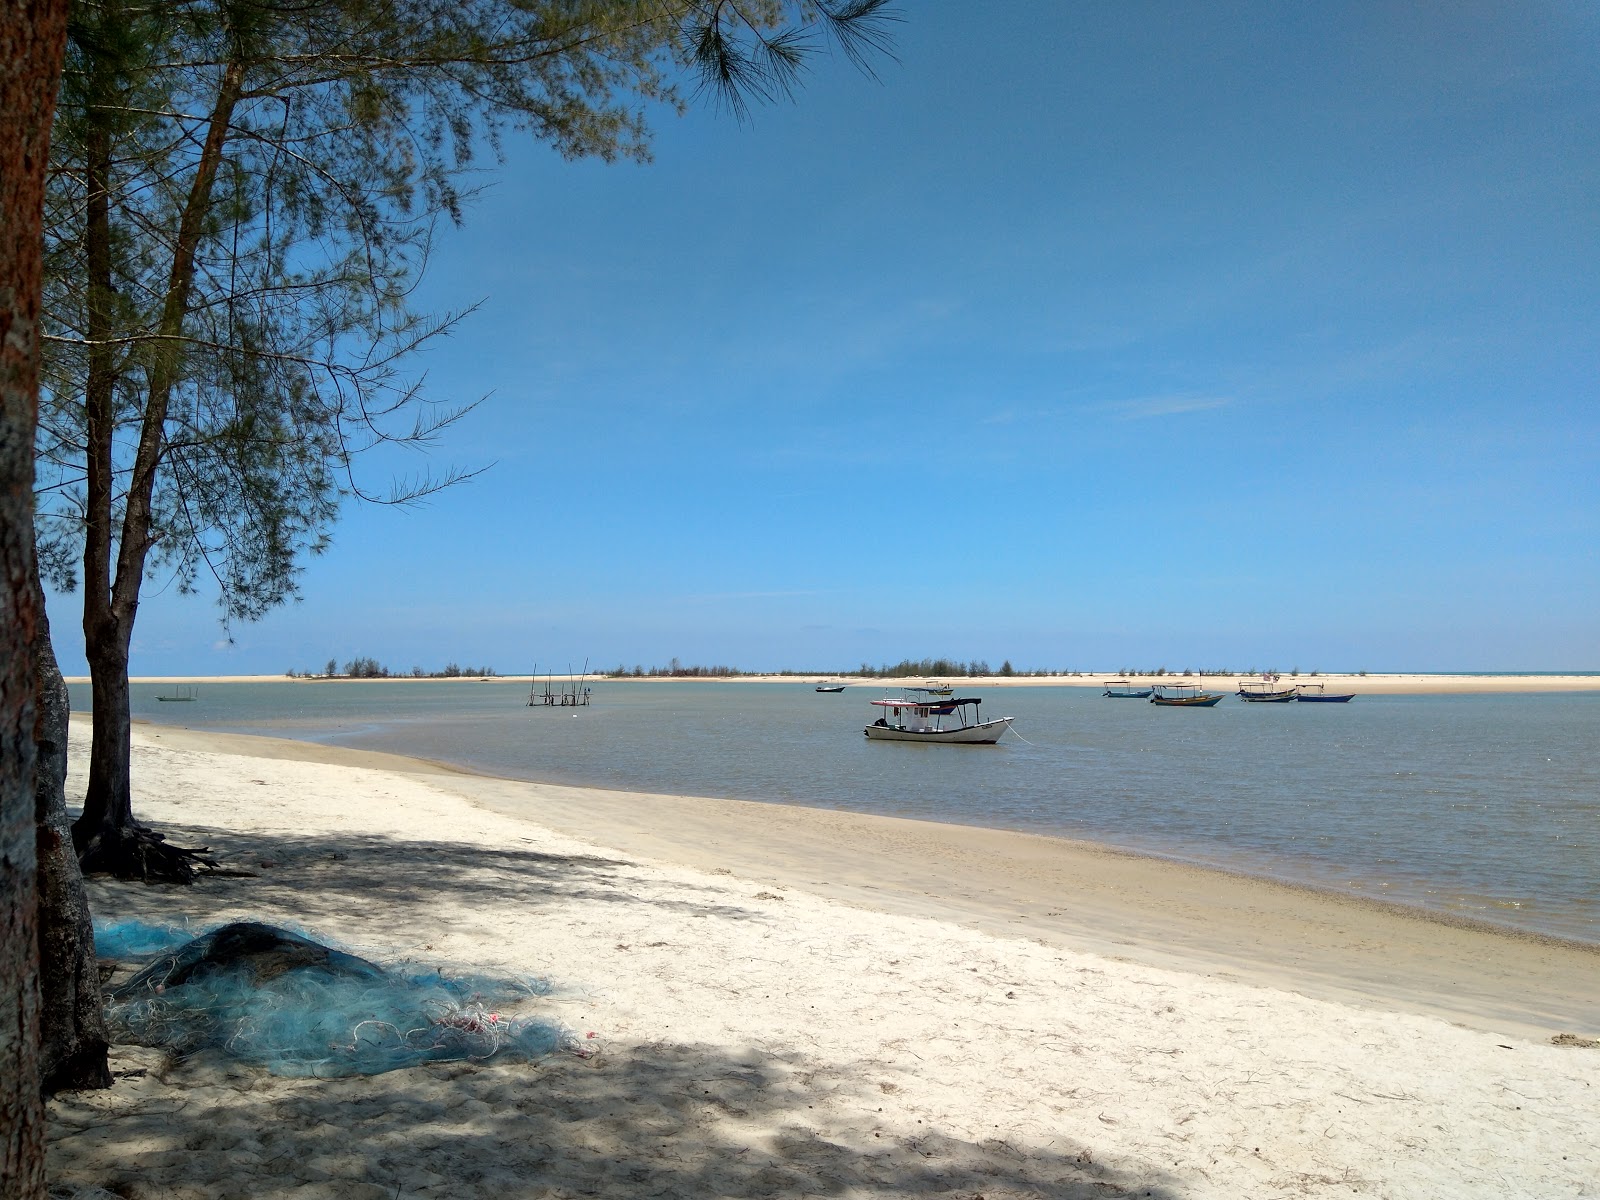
(934, 667)
(937, 668)
(906, 668)
(371, 668)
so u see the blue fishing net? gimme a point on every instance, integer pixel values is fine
(127, 940)
(285, 1002)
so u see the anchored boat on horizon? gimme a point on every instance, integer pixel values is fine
(1183, 695)
(1266, 691)
(1121, 689)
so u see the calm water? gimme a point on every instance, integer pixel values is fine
(1481, 805)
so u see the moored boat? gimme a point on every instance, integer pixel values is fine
(830, 687)
(1121, 689)
(1317, 693)
(934, 719)
(1183, 695)
(1266, 691)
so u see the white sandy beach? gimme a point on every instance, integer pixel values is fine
(1359, 684)
(786, 1002)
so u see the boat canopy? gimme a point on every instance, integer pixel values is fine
(929, 706)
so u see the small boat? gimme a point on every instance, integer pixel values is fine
(1260, 694)
(1183, 695)
(181, 695)
(1121, 689)
(934, 687)
(1317, 693)
(830, 687)
(1266, 691)
(922, 719)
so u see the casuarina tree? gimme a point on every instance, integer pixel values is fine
(242, 199)
(32, 34)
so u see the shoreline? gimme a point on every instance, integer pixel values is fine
(1372, 683)
(763, 1001)
(1084, 895)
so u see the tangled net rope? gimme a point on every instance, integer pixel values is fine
(271, 997)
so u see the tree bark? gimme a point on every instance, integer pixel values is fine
(72, 1026)
(32, 43)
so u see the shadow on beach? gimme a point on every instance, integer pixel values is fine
(353, 886)
(658, 1120)
(642, 1118)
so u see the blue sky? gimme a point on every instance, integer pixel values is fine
(1087, 336)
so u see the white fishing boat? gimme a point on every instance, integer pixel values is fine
(921, 718)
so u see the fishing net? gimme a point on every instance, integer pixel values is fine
(285, 1002)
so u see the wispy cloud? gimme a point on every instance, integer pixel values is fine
(1150, 407)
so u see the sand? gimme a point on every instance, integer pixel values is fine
(1359, 684)
(785, 1002)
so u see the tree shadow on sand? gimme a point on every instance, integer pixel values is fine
(332, 881)
(651, 1119)
(659, 1120)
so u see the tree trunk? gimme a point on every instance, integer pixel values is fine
(32, 42)
(106, 835)
(72, 1026)
(108, 810)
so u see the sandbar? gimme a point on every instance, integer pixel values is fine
(1364, 683)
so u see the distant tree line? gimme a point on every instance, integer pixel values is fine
(935, 667)
(371, 668)
(1158, 672)
(676, 670)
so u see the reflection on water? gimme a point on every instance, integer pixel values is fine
(1480, 805)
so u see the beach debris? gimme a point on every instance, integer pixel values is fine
(1572, 1039)
(284, 1001)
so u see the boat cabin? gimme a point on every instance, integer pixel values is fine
(916, 714)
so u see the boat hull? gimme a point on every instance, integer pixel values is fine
(1267, 698)
(985, 734)
(1186, 701)
(1344, 699)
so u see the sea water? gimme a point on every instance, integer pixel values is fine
(1485, 806)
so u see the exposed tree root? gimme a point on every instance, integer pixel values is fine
(137, 852)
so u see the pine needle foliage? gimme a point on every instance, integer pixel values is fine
(242, 199)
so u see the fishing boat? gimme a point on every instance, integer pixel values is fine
(830, 687)
(181, 694)
(1121, 689)
(1318, 693)
(919, 718)
(1183, 695)
(1265, 691)
(934, 687)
